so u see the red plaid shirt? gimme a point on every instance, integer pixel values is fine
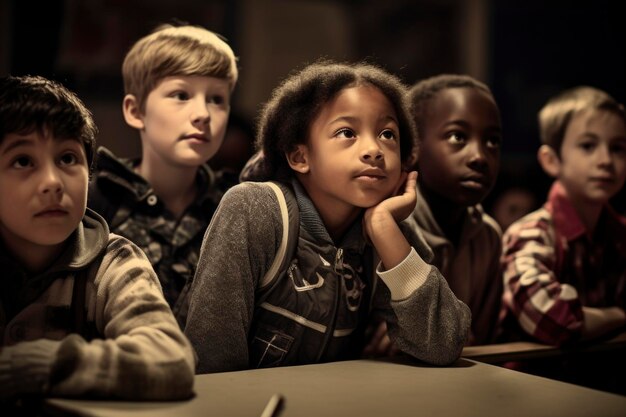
(552, 267)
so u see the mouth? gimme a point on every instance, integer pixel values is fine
(371, 175)
(197, 137)
(477, 182)
(52, 212)
(603, 181)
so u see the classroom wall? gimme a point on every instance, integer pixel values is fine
(526, 50)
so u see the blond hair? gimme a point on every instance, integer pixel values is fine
(176, 50)
(556, 115)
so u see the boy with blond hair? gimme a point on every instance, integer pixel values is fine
(565, 264)
(81, 310)
(178, 82)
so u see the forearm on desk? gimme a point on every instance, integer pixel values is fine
(600, 321)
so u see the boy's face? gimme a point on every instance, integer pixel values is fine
(460, 149)
(352, 158)
(43, 184)
(185, 119)
(592, 165)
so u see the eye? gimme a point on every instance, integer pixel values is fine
(587, 146)
(68, 158)
(217, 99)
(180, 95)
(22, 162)
(388, 134)
(494, 142)
(618, 148)
(345, 133)
(456, 137)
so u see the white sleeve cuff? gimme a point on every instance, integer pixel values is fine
(406, 277)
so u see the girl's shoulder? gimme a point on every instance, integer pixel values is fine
(259, 194)
(259, 201)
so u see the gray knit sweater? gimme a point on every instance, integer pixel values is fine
(425, 318)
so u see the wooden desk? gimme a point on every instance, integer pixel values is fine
(516, 351)
(372, 388)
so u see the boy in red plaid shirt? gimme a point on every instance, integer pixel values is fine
(565, 264)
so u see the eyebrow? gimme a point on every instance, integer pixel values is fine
(354, 119)
(16, 144)
(466, 125)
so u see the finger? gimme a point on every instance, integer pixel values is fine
(384, 345)
(411, 182)
(401, 180)
(381, 331)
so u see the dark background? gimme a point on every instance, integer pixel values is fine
(526, 51)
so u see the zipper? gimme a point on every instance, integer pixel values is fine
(338, 269)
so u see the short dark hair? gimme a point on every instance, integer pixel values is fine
(557, 113)
(286, 118)
(33, 103)
(423, 91)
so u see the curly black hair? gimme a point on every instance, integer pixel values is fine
(33, 103)
(286, 118)
(423, 91)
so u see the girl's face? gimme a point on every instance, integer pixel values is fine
(352, 157)
(460, 149)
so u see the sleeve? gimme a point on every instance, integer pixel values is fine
(424, 317)
(547, 310)
(238, 247)
(143, 354)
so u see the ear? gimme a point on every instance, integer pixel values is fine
(298, 159)
(549, 160)
(132, 113)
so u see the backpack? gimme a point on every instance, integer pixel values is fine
(290, 215)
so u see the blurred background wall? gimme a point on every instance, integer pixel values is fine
(526, 50)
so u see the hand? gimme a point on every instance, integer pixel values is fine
(402, 201)
(379, 343)
(399, 206)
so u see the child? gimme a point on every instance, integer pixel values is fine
(336, 135)
(565, 264)
(81, 310)
(458, 122)
(178, 82)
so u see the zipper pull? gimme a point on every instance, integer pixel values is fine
(339, 261)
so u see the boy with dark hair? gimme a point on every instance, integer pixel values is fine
(178, 82)
(458, 122)
(81, 310)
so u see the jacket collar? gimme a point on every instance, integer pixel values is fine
(472, 223)
(120, 173)
(568, 224)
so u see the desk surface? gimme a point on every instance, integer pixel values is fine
(372, 388)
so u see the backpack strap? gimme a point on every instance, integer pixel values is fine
(290, 218)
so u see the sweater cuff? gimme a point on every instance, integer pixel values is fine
(406, 277)
(25, 367)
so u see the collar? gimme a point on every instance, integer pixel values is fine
(88, 241)
(312, 222)
(567, 221)
(472, 223)
(119, 173)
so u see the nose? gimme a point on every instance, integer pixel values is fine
(51, 182)
(200, 114)
(604, 156)
(371, 151)
(477, 153)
